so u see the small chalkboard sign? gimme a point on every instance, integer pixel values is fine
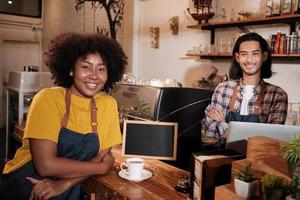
(150, 139)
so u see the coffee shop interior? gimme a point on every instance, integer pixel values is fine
(178, 51)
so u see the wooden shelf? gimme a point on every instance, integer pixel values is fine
(295, 57)
(288, 19)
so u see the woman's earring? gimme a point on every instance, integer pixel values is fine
(71, 73)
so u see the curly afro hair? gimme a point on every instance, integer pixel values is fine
(65, 49)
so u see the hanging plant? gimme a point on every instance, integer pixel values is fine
(114, 11)
(174, 24)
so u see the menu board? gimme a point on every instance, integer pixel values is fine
(150, 139)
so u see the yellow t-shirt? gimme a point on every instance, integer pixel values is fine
(45, 115)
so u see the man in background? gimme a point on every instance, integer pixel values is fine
(246, 97)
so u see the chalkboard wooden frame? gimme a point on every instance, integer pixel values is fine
(150, 139)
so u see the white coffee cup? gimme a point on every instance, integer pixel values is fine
(134, 167)
(171, 82)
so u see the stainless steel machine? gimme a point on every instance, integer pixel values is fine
(21, 87)
(168, 104)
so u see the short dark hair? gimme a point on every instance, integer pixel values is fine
(235, 71)
(65, 49)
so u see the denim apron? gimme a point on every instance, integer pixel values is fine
(234, 116)
(72, 145)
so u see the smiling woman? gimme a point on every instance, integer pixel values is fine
(90, 75)
(70, 129)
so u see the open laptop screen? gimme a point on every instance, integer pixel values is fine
(239, 132)
(244, 130)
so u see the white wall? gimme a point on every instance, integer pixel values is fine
(169, 61)
(19, 46)
(61, 16)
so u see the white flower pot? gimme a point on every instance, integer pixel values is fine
(289, 198)
(244, 189)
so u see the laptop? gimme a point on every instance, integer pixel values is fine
(239, 132)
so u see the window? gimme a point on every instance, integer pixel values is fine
(29, 8)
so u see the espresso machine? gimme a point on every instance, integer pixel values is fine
(20, 89)
(167, 104)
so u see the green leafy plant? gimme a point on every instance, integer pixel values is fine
(272, 181)
(173, 20)
(292, 152)
(246, 175)
(295, 187)
(174, 24)
(271, 184)
(143, 108)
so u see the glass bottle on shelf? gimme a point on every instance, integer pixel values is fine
(276, 7)
(262, 8)
(294, 6)
(268, 10)
(223, 14)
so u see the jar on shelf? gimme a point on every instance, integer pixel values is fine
(293, 43)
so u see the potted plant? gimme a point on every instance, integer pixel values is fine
(245, 184)
(294, 188)
(174, 24)
(291, 153)
(273, 187)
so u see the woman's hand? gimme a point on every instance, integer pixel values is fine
(109, 159)
(216, 114)
(47, 188)
(105, 157)
(99, 157)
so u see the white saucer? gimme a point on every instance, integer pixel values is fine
(145, 175)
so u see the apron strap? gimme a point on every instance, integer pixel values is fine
(260, 98)
(94, 122)
(233, 97)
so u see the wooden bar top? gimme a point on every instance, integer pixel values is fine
(111, 186)
(160, 186)
(226, 192)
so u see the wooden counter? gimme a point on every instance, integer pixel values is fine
(111, 186)
(265, 156)
(226, 192)
(159, 186)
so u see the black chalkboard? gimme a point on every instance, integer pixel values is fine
(150, 139)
